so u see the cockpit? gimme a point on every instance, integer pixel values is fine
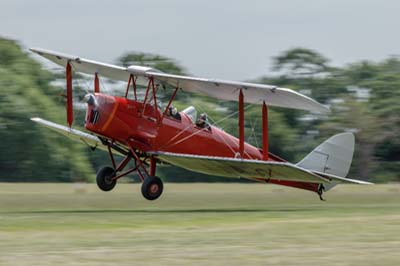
(202, 119)
(190, 112)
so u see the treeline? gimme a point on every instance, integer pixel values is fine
(28, 152)
(363, 98)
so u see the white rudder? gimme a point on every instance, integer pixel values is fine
(332, 157)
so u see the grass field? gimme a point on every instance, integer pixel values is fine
(198, 224)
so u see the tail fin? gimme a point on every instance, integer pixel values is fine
(333, 157)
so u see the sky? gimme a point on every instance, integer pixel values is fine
(223, 39)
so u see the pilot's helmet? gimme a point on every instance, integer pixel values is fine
(173, 110)
(204, 117)
(90, 99)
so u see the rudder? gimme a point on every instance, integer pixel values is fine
(333, 156)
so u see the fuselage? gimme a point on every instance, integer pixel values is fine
(144, 127)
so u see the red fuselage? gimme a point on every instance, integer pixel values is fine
(125, 121)
(145, 128)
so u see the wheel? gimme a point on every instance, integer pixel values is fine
(152, 187)
(104, 178)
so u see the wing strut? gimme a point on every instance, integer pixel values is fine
(265, 131)
(70, 112)
(169, 103)
(264, 128)
(133, 80)
(241, 124)
(96, 83)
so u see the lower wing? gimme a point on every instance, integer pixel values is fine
(90, 140)
(250, 169)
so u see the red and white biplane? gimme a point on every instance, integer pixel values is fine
(143, 132)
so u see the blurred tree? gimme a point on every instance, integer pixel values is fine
(30, 152)
(383, 80)
(301, 62)
(356, 117)
(309, 72)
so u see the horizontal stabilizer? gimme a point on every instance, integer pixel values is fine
(337, 179)
(250, 169)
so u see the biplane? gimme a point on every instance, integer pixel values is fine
(145, 133)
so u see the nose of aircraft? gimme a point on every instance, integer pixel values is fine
(100, 111)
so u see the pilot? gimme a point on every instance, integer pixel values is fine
(91, 100)
(202, 121)
(94, 113)
(173, 112)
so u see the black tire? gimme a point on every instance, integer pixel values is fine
(152, 187)
(104, 178)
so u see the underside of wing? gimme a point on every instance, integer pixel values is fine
(253, 93)
(250, 169)
(219, 89)
(77, 135)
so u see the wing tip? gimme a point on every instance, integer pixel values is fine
(37, 50)
(322, 109)
(326, 109)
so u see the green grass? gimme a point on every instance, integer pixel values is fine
(198, 224)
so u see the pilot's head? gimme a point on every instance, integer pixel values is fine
(172, 110)
(204, 117)
(91, 99)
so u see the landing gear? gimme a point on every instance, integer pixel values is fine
(105, 179)
(152, 187)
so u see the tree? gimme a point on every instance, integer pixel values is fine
(355, 116)
(301, 62)
(30, 152)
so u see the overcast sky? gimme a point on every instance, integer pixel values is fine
(219, 39)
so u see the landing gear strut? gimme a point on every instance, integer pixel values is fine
(152, 186)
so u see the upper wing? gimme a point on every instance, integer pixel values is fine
(253, 93)
(220, 89)
(231, 167)
(90, 66)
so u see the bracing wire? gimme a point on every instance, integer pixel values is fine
(254, 136)
(170, 144)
